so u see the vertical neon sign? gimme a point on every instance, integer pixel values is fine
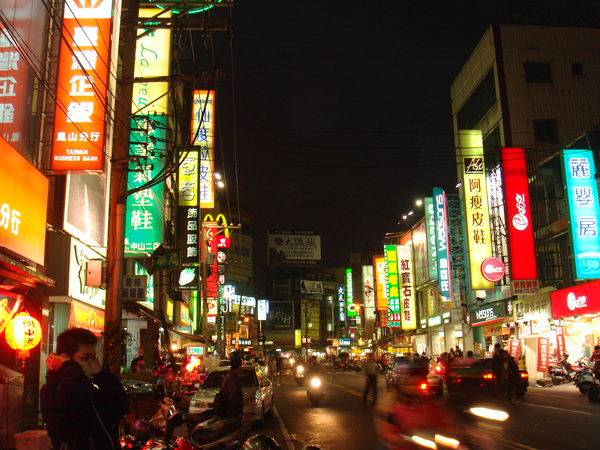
(393, 282)
(442, 242)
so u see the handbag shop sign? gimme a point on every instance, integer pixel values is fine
(487, 314)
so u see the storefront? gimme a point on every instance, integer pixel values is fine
(577, 311)
(496, 325)
(439, 331)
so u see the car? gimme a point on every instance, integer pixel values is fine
(225, 363)
(421, 377)
(256, 387)
(476, 380)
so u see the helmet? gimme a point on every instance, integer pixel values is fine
(261, 442)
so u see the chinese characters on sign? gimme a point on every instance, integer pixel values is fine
(431, 238)
(203, 132)
(444, 268)
(342, 305)
(82, 87)
(476, 205)
(584, 212)
(380, 283)
(294, 248)
(393, 282)
(407, 294)
(188, 222)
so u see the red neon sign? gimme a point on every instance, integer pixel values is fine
(521, 246)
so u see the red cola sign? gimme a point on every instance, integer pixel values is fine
(580, 299)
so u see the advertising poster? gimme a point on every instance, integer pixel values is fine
(294, 248)
(560, 341)
(280, 318)
(514, 348)
(542, 364)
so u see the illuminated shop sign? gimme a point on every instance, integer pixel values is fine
(487, 314)
(521, 247)
(203, 137)
(476, 205)
(431, 238)
(442, 238)
(380, 283)
(492, 269)
(351, 311)
(393, 282)
(23, 205)
(368, 286)
(584, 212)
(580, 299)
(82, 86)
(341, 295)
(188, 220)
(148, 138)
(407, 288)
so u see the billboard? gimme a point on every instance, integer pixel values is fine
(472, 171)
(393, 282)
(311, 287)
(203, 137)
(381, 303)
(148, 140)
(81, 92)
(294, 248)
(421, 263)
(280, 318)
(431, 238)
(442, 243)
(584, 212)
(368, 286)
(23, 205)
(407, 287)
(521, 246)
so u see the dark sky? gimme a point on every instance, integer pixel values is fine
(343, 111)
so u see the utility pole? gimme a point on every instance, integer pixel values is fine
(118, 194)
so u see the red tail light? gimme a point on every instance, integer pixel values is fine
(438, 368)
(488, 376)
(524, 375)
(423, 386)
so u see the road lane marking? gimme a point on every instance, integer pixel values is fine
(284, 431)
(562, 409)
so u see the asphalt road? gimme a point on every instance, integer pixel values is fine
(556, 417)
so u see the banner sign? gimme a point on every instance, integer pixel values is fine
(407, 289)
(580, 299)
(203, 137)
(262, 309)
(476, 204)
(368, 286)
(524, 287)
(294, 248)
(542, 350)
(88, 317)
(584, 212)
(393, 282)
(148, 140)
(431, 238)
(188, 220)
(311, 287)
(444, 268)
(533, 308)
(134, 288)
(23, 205)
(381, 302)
(514, 348)
(560, 341)
(79, 117)
(521, 246)
(421, 262)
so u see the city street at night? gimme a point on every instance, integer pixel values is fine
(547, 418)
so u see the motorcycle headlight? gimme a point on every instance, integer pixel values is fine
(300, 369)
(315, 382)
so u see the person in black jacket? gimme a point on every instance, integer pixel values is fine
(81, 402)
(233, 390)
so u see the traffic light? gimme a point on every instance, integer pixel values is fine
(247, 318)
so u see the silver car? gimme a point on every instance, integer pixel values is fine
(256, 387)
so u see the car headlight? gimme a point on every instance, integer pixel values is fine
(198, 404)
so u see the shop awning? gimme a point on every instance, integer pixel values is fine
(190, 337)
(136, 308)
(14, 270)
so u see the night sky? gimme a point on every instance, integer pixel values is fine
(343, 111)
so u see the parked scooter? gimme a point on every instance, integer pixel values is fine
(564, 371)
(315, 390)
(583, 378)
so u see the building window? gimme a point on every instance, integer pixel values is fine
(478, 103)
(577, 68)
(538, 72)
(545, 131)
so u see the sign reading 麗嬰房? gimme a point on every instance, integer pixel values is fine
(393, 283)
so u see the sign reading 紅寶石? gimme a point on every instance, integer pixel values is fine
(81, 95)
(407, 291)
(471, 161)
(442, 242)
(393, 282)
(584, 212)
(203, 137)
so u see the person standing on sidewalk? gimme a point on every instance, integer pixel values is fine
(370, 369)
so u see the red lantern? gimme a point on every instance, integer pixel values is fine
(23, 332)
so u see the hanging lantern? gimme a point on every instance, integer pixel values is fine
(23, 332)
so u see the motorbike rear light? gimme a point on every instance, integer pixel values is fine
(423, 386)
(438, 368)
(488, 376)
(524, 375)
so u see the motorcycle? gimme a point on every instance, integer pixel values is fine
(584, 378)
(299, 374)
(315, 390)
(564, 371)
